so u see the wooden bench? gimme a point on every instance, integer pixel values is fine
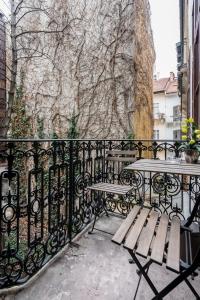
(145, 233)
(110, 189)
(121, 155)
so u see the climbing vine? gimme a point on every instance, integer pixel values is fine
(40, 128)
(130, 136)
(73, 132)
(20, 126)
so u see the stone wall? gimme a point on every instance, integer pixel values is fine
(143, 63)
(99, 68)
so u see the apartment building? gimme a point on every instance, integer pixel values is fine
(188, 51)
(166, 108)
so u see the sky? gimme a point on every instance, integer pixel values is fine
(165, 26)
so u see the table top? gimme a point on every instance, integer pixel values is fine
(165, 166)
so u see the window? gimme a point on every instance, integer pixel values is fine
(177, 134)
(156, 134)
(155, 109)
(176, 113)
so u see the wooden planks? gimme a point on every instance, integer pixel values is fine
(121, 152)
(125, 226)
(159, 241)
(173, 255)
(121, 155)
(134, 232)
(111, 188)
(138, 234)
(158, 166)
(121, 159)
(147, 235)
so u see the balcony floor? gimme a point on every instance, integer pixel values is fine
(98, 269)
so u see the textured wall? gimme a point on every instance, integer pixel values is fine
(99, 67)
(143, 63)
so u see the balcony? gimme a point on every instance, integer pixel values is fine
(160, 116)
(45, 205)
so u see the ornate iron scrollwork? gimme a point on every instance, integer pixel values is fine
(44, 200)
(166, 184)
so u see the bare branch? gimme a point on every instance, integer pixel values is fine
(41, 31)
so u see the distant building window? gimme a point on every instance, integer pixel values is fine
(176, 134)
(155, 109)
(179, 53)
(176, 113)
(156, 134)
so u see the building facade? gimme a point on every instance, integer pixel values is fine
(166, 109)
(189, 58)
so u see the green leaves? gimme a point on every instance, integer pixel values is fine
(191, 134)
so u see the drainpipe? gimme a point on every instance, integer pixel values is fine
(181, 13)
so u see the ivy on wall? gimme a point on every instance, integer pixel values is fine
(20, 126)
(40, 128)
(73, 132)
(131, 136)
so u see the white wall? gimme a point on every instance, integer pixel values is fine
(166, 104)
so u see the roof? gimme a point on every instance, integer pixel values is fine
(160, 85)
(165, 85)
(172, 86)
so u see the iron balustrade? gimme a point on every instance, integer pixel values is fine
(44, 200)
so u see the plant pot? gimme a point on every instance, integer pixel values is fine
(191, 156)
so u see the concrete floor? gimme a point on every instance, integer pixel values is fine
(98, 269)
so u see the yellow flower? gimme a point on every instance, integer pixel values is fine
(184, 137)
(198, 136)
(184, 129)
(197, 131)
(192, 142)
(190, 120)
(186, 121)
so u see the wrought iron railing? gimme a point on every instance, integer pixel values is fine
(44, 200)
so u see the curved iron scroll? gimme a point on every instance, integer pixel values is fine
(44, 200)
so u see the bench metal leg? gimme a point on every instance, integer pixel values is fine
(104, 208)
(140, 276)
(146, 266)
(143, 272)
(192, 289)
(160, 295)
(100, 203)
(95, 217)
(182, 277)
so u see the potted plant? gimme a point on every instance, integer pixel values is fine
(191, 136)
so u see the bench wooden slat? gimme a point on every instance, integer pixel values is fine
(125, 226)
(173, 254)
(134, 232)
(112, 185)
(121, 159)
(164, 167)
(147, 234)
(121, 152)
(111, 188)
(159, 242)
